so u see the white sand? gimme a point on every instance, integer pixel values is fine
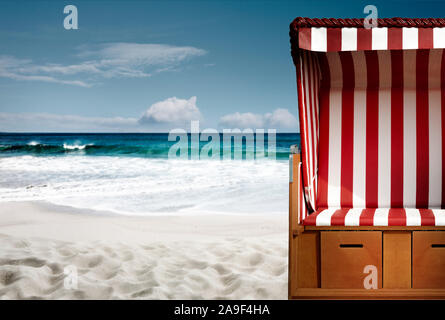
(120, 257)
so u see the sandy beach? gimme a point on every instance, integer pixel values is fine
(130, 257)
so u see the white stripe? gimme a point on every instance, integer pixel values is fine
(303, 109)
(381, 217)
(435, 130)
(359, 139)
(352, 218)
(410, 38)
(435, 65)
(379, 38)
(439, 37)
(413, 217)
(300, 192)
(360, 72)
(316, 109)
(324, 218)
(291, 178)
(319, 39)
(309, 149)
(349, 39)
(409, 129)
(299, 195)
(384, 156)
(313, 127)
(335, 106)
(439, 217)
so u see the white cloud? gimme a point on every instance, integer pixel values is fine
(159, 117)
(113, 60)
(242, 120)
(172, 110)
(142, 55)
(17, 69)
(46, 122)
(279, 119)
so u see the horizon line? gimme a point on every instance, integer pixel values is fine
(62, 132)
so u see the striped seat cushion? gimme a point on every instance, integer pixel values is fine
(376, 217)
(382, 132)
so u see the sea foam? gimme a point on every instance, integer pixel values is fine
(75, 146)
(143, 186)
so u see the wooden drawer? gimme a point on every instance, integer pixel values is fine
(429, 259)
(344, 255)
(397, 259)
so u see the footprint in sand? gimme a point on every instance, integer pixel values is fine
(255, 259)
(8, 277)
(30, 262)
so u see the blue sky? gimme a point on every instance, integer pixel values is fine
(154, 65)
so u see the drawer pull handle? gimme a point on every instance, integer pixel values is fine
(351, 245)
(439, 245)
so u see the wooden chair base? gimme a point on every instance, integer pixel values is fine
(367, 263)
(363, 294)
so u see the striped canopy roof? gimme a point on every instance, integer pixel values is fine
(324, 35)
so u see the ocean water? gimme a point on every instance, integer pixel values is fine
(145, 145)
(131, 174)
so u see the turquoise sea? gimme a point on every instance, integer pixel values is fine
(146, 145)
(132, 174)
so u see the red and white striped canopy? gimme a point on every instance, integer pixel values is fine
(353, 39)
(372, 117)
(324, 35)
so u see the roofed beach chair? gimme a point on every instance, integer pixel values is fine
(367, 191)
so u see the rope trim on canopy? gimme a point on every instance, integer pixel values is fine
(301, 22)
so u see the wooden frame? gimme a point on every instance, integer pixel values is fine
(403, 272)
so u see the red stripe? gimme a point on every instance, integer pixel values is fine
(367, 217)
(422, 131)
(302, 116)
(442, 88)
(323, 145)
(307, 159)
(304, 38)
(372, 129)
(427, 217)
(309, 162)
(333, 39)
(311, 219)
(347, 130)
(425, 38)
(338, 218)
(397, 217)
(395, 38)
(397, 129)
(364, 39)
